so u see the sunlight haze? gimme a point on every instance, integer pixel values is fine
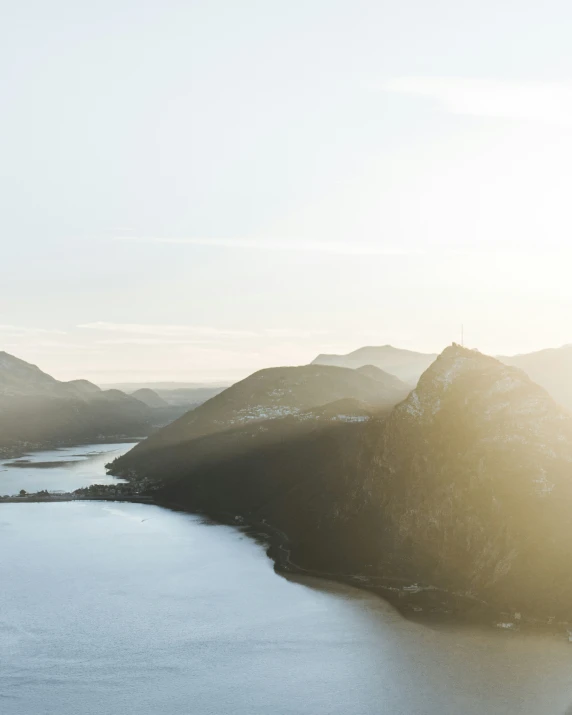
(193, 191)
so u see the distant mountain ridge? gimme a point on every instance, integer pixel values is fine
(36, 410)
(149, 397)
(176, 394)
(551, 368)
(407, 365)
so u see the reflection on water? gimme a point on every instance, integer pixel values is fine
(63, 469)
(130, 608)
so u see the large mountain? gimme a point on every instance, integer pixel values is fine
(36, 410)
(466, 485)
(551, 368)
(472, 478)
(404, 364)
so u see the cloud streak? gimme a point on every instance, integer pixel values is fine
(198, 331)
(186, 334)
(549, 102)
(340, 248)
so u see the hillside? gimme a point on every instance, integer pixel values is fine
(21, 379)
(465, 486)
(274, 393)
(404, 364)
(36, 410)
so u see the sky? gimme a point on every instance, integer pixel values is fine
(196, 190)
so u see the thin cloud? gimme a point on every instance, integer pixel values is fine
(186, 334)
(340, 248)
(549, 102)
(159, 341)
(167, 330)
(291, 334)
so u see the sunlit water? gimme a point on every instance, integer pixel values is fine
(117, 608)
(84, 465)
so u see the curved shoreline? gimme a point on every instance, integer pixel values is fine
(426, 604)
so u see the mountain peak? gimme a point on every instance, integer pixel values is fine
(466, 381)
(456, 360)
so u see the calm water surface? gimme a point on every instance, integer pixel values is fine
(127, 608)
(116, 608)
(84, 465)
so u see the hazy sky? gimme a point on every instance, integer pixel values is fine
(197, 189)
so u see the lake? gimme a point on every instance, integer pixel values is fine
(112, 608)
(84, 465)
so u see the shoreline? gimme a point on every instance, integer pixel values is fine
(421, 604)
(34, 498)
